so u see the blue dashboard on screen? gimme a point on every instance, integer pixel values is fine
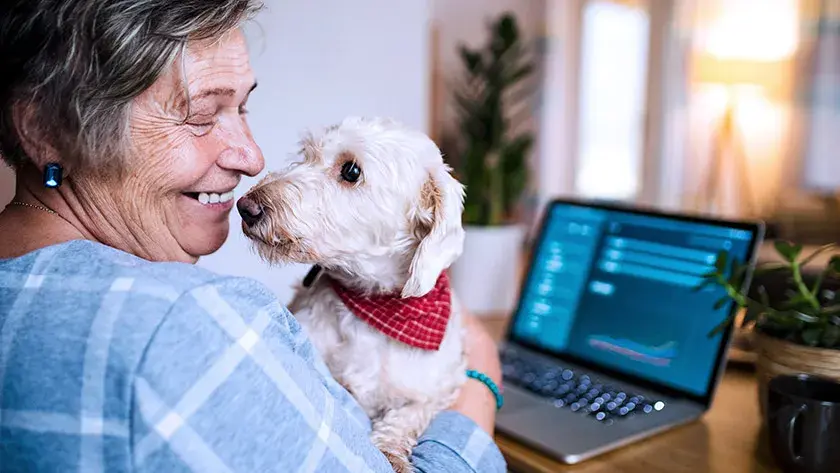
(617, 289)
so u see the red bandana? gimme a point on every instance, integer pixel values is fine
(416, 321)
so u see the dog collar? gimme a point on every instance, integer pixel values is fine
(416, 321)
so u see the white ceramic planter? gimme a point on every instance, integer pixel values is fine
(486, 276)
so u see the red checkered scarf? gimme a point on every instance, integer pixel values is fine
(416, 321)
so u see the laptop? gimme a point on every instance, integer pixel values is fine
(609, 341)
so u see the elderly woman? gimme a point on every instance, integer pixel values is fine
(125, 121)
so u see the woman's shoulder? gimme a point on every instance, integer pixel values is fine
(87, 265)
(79, 279)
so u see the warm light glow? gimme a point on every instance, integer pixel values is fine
(755, 30)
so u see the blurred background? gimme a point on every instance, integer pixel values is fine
(722, 107)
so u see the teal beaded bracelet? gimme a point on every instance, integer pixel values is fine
(477, 375)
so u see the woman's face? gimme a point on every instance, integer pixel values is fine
(187, 157)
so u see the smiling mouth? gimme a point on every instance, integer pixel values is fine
(208, 198)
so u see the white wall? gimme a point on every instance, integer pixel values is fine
(317, 61)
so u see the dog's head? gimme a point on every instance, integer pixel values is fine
(368, 198)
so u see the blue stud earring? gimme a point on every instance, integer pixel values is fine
(52, 175)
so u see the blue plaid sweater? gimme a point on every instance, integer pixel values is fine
(112, 363)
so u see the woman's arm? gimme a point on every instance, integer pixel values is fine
(230, 382)
(476, 401)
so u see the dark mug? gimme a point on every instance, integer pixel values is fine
(803, 419)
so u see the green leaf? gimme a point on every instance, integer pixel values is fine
(808, 319)
(788, 250)
(831, 336)
(812, 336)
(796, 302)
(834, 264)
(738, 273)
(721, 302)
(720, 262)
(471, 59)
(720, 328)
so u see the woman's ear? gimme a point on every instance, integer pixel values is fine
(33, 140)
(438, 221)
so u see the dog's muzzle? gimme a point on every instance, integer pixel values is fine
(250, 210)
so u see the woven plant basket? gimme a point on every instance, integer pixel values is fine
(777, 357)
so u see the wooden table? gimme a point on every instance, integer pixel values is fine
(727, 439)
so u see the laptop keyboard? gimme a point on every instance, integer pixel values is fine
(575, 390)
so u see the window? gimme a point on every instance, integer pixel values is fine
(612, 93)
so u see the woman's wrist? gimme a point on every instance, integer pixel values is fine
(478, 403)
(492, 385)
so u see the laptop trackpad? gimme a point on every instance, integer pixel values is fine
(560, 431)
(516, 402)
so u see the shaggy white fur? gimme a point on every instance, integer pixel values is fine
(392, 231)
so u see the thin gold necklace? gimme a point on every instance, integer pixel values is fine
(17, 202)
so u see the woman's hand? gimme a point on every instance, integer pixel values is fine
(475, 400)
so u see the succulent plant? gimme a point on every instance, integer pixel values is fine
(807, 315)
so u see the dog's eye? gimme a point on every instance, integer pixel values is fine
(351, 172)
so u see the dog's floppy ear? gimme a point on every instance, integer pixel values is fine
(438, 223)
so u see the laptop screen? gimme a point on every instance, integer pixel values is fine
(616, 288)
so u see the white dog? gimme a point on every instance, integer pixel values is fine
(374, 207)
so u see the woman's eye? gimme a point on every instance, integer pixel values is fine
(202, 128)
(351, 172)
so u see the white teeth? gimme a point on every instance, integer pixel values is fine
(214, 198)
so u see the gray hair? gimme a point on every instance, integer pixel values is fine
(76, 65)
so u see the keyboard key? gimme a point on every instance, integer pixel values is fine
(578, 392)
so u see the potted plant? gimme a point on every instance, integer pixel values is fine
(797, 333)
(491, 160)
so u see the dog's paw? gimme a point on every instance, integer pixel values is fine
(397, 453)
(399, 463)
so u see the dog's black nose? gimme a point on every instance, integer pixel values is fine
(250, 210)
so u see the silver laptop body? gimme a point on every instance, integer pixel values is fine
(609, 342)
